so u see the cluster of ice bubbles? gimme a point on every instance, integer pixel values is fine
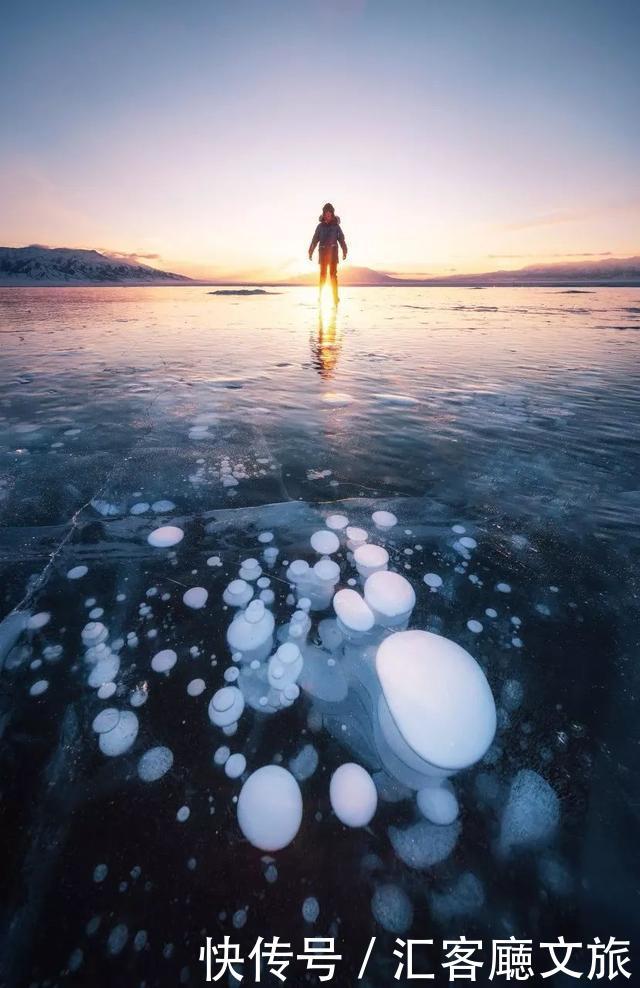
(419, 705)
(414, 707)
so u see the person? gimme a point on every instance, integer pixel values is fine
(327, 236)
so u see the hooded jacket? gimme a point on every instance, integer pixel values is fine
(328, 235)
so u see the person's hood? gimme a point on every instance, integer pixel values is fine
(336, 219)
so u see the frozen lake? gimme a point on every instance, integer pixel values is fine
(500, 427)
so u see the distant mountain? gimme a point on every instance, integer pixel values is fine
(36, 265)
(358, 277)
(614, 271)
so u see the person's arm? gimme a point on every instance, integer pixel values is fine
(343, 243)
(314, 241)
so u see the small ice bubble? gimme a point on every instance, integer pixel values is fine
(468, 542)
(353, 795)
(221, 755)
(353, 612)
(384, 519)
(117, 939)
(140, 508)
(161, 507)
(120, 738)
(239, 919)
(265, 537)
(106, 691)
(270, 808)
(512, 695)
(39, 687)
(155, 763)
(438, 804)
(310, 909)
(139, 696)
(100, 872)
(503, 588)
(106, 720)
(195, 597)
(370, 559)
(183, 814)
(474, 626)
(304, 764)
(356, 536)
(196, 687)
(432, 580)
(164, 661)
(214, 561)
(235, 766)
(325, 542)
(226, 706)
(532, 812)
(237, 593)
(491, 612)
(392, 909)
(77, 572)
(140, 940)
(458, 529)
(336, 522)
(163, 538)
(423, 844)
(37, 621)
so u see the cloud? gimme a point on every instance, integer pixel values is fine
(134, 256)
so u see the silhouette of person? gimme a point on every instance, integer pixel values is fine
(327, 236)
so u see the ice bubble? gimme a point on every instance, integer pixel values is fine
(121, 737)
(325, 542)
(384, 519)
(196, 687)
(370, 558)
(356, 536)
(458, 529)
(389, 595)
(503, 588)
(464, 898)
(468, 542)
(106, 720)
(75, 960)
(100, 872)
(235, 766)
(250, 569)
(93, 633)
(512, 695)
(285, 666)
(432, 580)
(140, 940)
(474, 626)
(226, 706)
(106, 690)
(37, 621)
(251, 629)
(139, 696)
(267, 596)
(423, 844)
(265, 537)
(104, 671)
(140, 508)
(164, 661)
(237, 593)
(304, 764)
(336, 522)
(195, 597)
(327, 571)
(183, 814)
(438, 697)
(39, 687)
(163, 538)
(353, 795)
(438, 804)
(77, 572)
(214, 561)
(298, 570)
(352, 611)
(532, 812)
(270, 808)
(221, 754)
(155, 763)
(117, 939)
(310, 909)
(160, 507)
(392, 909)
(491, 612)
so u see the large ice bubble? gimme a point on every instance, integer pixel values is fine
(353, 795)
(270, 808)
(438, 698)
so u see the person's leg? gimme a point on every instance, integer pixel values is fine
(323, 270)
(334, 275)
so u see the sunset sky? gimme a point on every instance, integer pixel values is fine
(452, 135)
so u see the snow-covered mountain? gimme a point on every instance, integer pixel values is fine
(38, 265)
